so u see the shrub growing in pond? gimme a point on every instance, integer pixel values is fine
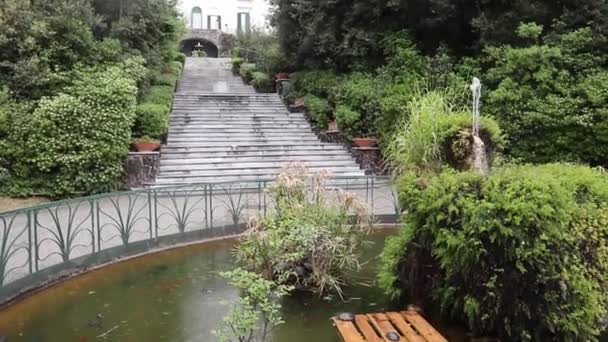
(258, 301)
(522, 253)
(313, 240)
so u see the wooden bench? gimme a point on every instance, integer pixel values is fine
(405, 326)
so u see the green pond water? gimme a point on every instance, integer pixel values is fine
(172, 296)
(178, 296)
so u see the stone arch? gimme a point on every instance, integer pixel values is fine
(196, 18)
(188, 45)
(210, 42)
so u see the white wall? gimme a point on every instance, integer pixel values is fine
(228, 10)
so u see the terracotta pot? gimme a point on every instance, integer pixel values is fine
(365, 142)
(333, 126)
(282, 76)
(147, 146)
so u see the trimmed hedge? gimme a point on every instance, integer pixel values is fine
(262, 82)
(151, 119)
(521, 254)
(236, 64)
(349, 122)
(76, 141)
(319, 110)
(246, 71)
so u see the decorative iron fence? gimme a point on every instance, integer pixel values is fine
(49, 241)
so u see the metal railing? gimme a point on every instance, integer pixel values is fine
(48, 241)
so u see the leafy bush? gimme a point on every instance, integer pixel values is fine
(424, 138)
(259, 300)
(236, 64)
(361, 93)
(262, 82)
(322, 83)
(313, 240)
(75, 141)
(319, 110)
(161, 94)
(349, 121)
(246, 71)
(151, 120)
(181, 58)
(551, 99)
(522, 253)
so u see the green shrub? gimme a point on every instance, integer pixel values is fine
(361, 93)
(151, 120)
(161, 94)
(349, 121)
(313, 240)
(76, 141)
(522, 253)
(551, 99)
(236, 64)
(423, 138)
(165, 78)
(262, 82)
(322, 83)
(319, 110)
(246, 71)
(181, 58)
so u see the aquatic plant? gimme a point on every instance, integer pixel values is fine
(313, 240)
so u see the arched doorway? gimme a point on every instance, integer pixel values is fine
(190, 45)
(197, 18)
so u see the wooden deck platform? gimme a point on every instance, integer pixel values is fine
(405, 326)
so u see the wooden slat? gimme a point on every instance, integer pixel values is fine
(366, 329)
(406, 330)
(348, 331)
(423, 327)
(384, 326)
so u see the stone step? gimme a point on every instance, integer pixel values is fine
(169, 181)
(236, 141)
(313, 148)
(241, 123)
(203, 127)
(192, 159)
(251, 173)
(200, 130)
(229, 167)
(196, 135)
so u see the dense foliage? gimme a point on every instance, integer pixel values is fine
(521, 253)
(348, 34)
(312, 241)
(434, 135)
(551, 98)
(74, 141)
(71, 73)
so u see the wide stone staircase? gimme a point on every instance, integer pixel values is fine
(222, 130)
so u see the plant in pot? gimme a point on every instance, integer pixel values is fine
(281, 76)
(146, 144)
(355, 126)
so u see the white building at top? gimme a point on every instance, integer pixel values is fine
(230, 16)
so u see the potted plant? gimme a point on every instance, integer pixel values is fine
(365, 142)
(281, 76)
(146, 144)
